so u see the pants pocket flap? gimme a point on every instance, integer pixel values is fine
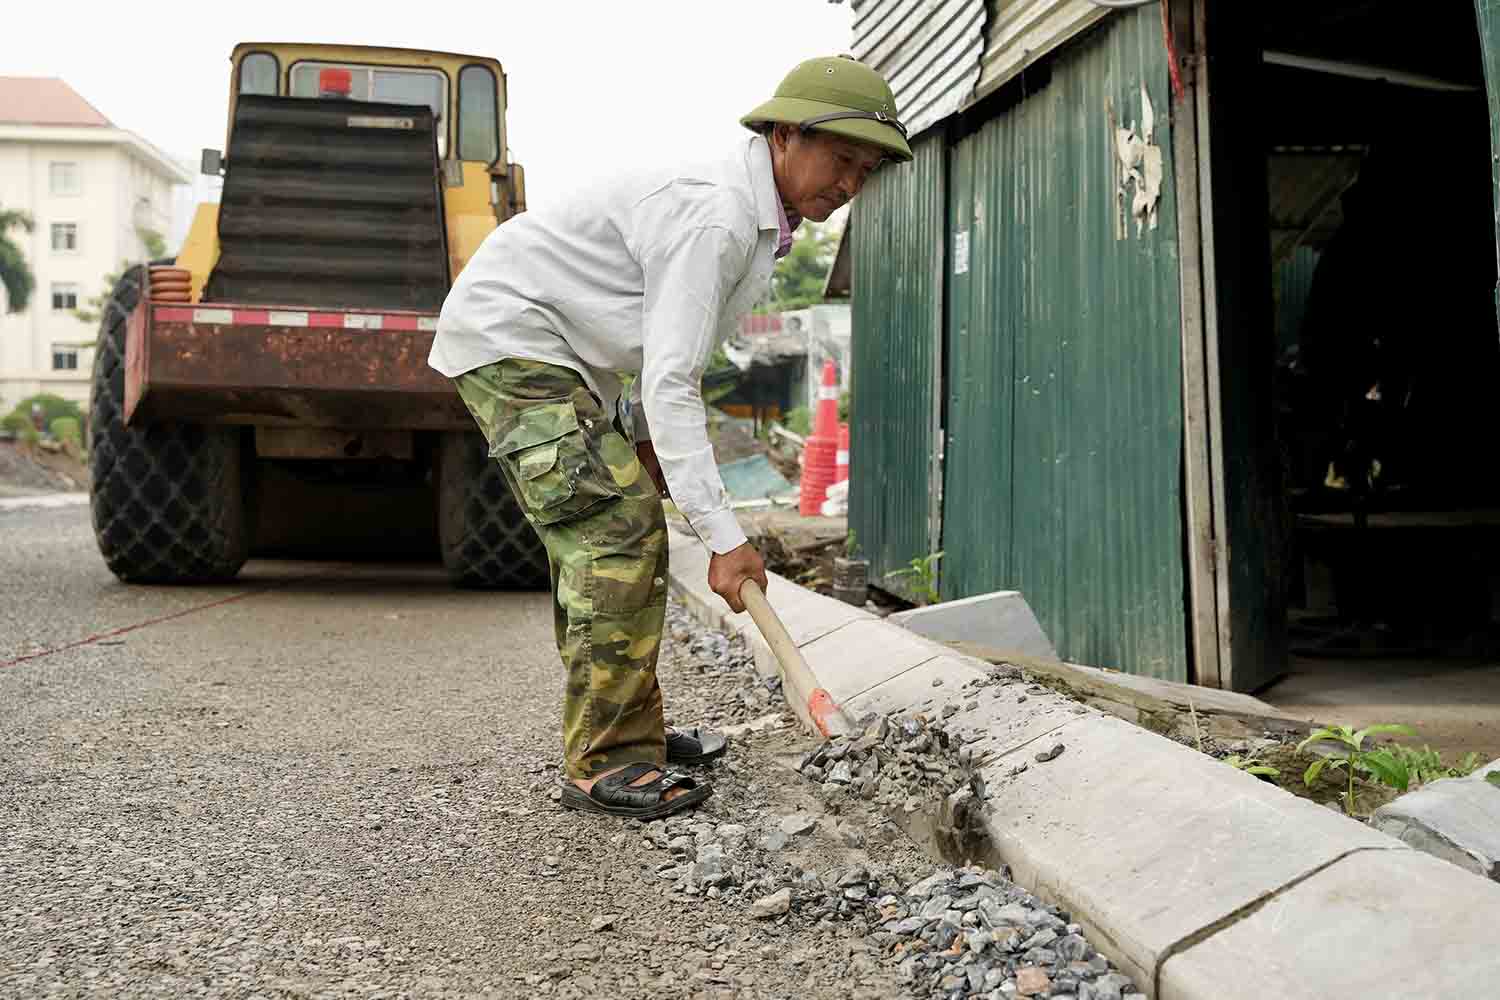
(535, 425)
(537, 460)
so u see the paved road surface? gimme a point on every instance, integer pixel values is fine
(333, 780)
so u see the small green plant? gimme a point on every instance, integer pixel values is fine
(67, 430)
(1252, 765)
(1493, 778)
(52, 407)
(923, 571)
(851, 547)
(798, 420)
(1427, 764)
(1380, 763)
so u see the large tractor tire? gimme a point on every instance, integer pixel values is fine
(485, 538)
(167, 500)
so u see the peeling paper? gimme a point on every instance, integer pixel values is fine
(1141, 165)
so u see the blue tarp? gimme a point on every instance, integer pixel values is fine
(753, 478)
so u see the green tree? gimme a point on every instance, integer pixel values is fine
(156, 248)
(798, 279)
(15, 273)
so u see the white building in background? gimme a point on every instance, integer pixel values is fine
(92, 190)
(827, 331)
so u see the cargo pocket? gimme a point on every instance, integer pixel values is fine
(552, 462)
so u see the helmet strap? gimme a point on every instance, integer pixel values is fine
(874, 116)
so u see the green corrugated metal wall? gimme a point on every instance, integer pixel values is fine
(897, 231)
(1293, 283)
(1488, 14)
(1064, 374)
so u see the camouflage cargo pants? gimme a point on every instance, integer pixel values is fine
(600, 517)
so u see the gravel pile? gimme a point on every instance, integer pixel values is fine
(726, 663)
(897, 761)
(970, 932)
(950, 933)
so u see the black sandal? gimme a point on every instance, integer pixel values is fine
(695, 745)
(614, 795)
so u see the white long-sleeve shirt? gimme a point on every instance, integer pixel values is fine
(647, 272)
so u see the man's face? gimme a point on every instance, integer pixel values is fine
(817, 172)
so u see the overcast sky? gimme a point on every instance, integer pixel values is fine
(591, 83)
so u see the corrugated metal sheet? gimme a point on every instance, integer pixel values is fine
(927, 50)
(1488, 15)
(331, 203)
(1294, 277)
(1064, 438)
(1305, 186)
(898, 259)
(1021, 31)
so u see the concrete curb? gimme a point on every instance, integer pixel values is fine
(1199, 881)
(44, 500)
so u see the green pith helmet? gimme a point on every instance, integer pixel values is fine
(839, 95)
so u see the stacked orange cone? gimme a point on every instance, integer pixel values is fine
(841, 462)
(820, 454)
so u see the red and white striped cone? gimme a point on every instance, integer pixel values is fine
(820, 453)
(841, 457)
(819, 457)
(826, 420)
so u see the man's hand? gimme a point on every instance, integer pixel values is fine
(646, 452)
(729, 571)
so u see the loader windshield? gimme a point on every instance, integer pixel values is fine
(390, 85)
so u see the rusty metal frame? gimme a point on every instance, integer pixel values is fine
(225, 373)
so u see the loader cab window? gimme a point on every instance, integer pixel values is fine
(478, 123)
(258, 73)
(375, 83)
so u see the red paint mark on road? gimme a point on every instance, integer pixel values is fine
(126, 629)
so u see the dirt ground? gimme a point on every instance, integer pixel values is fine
(1454, 705)
(27, 472)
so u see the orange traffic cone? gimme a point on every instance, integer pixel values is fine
(826, 421)
(820, 453)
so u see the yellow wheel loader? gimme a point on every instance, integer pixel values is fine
(267, 392)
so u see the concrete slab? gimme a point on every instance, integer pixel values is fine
(1001, 619)
(807, 615)
(857, 657)
(1009, 724)
(1148, 842)
(1165, 707)
(1456, 819)
(1376, 924)
(1177, 865)
(43, 500)
(913, 689)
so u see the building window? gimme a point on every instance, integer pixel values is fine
(66, 179)
(64, 237)
(64, 359)
(64, 295)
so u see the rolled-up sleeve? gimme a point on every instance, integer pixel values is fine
(688, 278)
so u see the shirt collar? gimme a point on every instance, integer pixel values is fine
(771, 213)
(788, 225)
(763, 184)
